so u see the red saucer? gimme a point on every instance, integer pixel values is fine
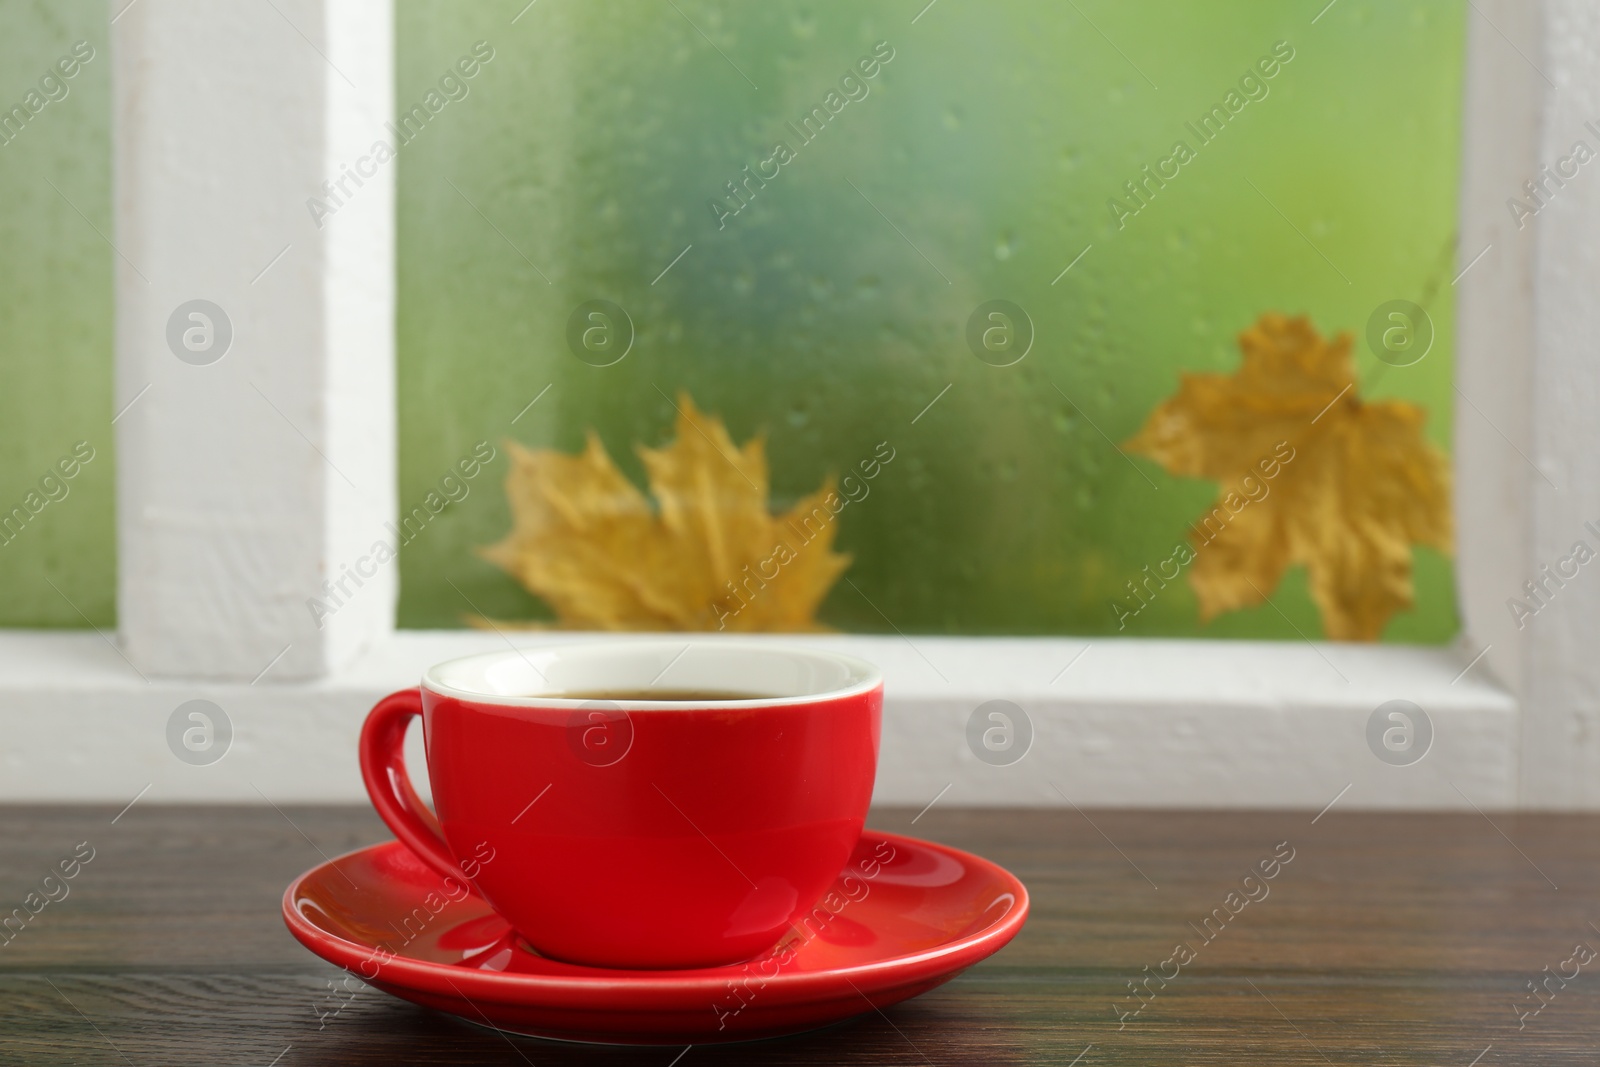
(903, 917)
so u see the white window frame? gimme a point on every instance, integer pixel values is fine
(242, 485)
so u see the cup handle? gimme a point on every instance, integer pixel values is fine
(383, 769)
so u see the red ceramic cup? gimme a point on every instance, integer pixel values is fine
(637, 833)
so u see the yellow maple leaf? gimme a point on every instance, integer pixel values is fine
(710, 556)
(1359, 487)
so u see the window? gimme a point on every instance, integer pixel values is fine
(820, 294)
(245, 482)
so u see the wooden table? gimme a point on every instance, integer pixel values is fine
(1386, 939)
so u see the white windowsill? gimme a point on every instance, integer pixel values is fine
(1132, 723)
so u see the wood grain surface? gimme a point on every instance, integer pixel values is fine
(1386, 939)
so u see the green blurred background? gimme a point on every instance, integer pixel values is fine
(583, 161)
(55, 318)
(596, 137)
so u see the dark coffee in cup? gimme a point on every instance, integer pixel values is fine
(686, 696)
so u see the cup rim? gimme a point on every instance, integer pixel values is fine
(865, 676)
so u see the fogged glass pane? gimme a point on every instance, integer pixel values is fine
(57, 542)
(989, 241)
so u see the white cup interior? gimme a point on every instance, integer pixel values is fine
(533, 676)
